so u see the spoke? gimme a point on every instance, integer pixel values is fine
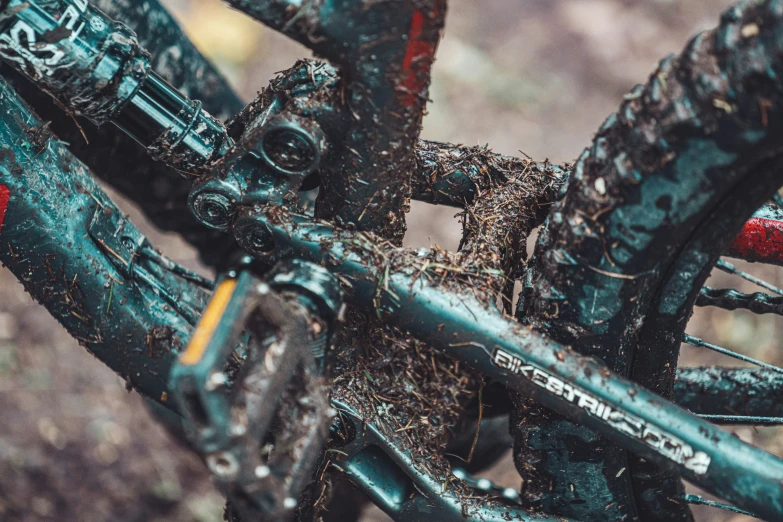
(696, 499)
(695, 341)
(743, 419)
(731, 269)
(730, 299)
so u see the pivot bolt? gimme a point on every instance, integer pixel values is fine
(288, 150)
(223, 464)
(253, 235)
(213, 209)
(293, 146)
(259, 240)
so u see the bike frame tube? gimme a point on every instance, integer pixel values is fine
(49, 203)
(384, 51)
(116, 158)
(568, 383)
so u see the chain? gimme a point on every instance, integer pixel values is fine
(730, 299)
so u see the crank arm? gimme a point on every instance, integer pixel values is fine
(387, 474)
(261, 423)
(573, 385)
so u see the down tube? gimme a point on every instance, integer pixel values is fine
(47, 202)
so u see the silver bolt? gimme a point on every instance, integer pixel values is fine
(215, 381)
(222, 464)
(213, 209)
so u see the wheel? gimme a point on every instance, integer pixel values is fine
(666, 186)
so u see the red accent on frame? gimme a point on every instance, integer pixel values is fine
(5, 195)
(418, 59)
(760, 240)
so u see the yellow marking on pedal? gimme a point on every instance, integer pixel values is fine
(208, 323)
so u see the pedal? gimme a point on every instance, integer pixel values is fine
(261, 423)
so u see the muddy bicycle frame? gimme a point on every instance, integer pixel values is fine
(78, 255)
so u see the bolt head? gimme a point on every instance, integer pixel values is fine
(216, 380)
(213, 209)
(223, 464)
(259, 239)
(290, 151)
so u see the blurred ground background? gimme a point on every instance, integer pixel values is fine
(537, 76)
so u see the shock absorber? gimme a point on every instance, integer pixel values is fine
(96, 68)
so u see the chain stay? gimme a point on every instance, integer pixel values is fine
(371, 458)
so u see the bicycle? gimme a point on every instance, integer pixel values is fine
(634, 230)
